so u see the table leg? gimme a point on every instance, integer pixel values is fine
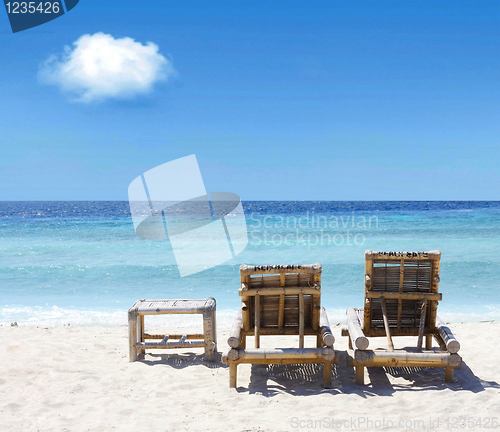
(132, 336)
(209, 333)
(140, 335)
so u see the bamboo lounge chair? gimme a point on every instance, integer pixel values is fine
(281, 300)
(401, 298)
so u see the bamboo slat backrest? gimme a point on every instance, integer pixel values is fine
(404, 281)
(274, 297)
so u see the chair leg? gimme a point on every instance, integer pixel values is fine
(233, 370)
(327, 375)
(428, 342)
(350, 343)
(360, 375)
(448, 374)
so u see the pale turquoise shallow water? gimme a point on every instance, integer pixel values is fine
(81, 262)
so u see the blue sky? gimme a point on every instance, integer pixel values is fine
(279, 100)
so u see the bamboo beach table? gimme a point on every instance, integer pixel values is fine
(137, 335)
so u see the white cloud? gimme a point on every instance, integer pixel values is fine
(100, 67)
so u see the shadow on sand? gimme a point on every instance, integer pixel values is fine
(301, 380)
(307, 379)
(180, 361)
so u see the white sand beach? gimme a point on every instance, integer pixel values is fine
(80, 379)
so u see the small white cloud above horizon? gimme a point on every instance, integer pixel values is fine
(100, 67)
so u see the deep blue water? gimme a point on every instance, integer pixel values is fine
(81, 262)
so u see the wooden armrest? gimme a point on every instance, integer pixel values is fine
(234, 339)
(356, 334)
(324, 327)
(452, 345)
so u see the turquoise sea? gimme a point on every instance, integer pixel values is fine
(81, 263)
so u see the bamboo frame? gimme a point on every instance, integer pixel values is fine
(282, 355)
(406, 359)
(405, 331)
(403, 296)
(301, 320)
(236, 334)
(386, 324)
(257, 321)
(417, 282)
(281, 313)
(286, 331)
(368, 286)
(281, 300)
(400, 292)
(428, 342)
(246, 270)
(355, 332)
(173, 336)
(327, 337)
(137, 335)
(422, 324)
(452, 345)
(316, 301)
(280, 291)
